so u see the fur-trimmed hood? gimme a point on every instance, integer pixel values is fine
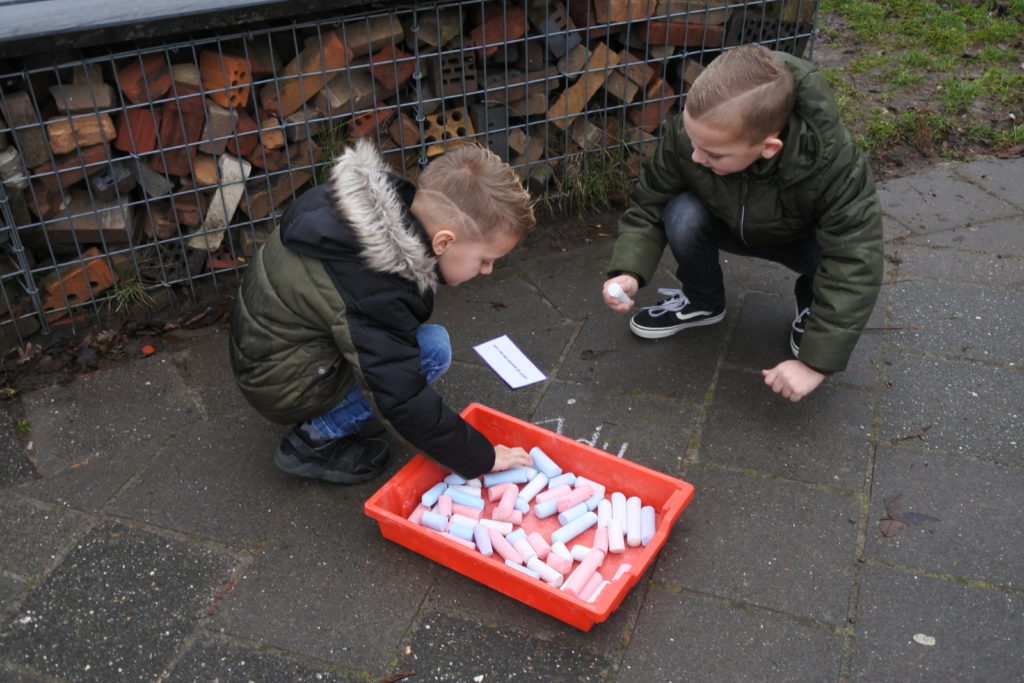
(372, 206)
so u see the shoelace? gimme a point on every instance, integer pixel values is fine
(676, 301)
(801, 319)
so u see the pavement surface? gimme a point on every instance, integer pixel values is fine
(872, 532)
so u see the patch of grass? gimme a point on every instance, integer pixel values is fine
(23, 426)
(958, 58)
(594, 182)
(130, 293)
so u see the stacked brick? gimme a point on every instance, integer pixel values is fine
(196, 151)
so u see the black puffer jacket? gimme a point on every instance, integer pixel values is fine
(334, 297)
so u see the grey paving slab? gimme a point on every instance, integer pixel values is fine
(954, 406)
(91, 436)
(203, 483)
(445, 648)
(15, 466)
(824, 441)
(474, 383)
(219, 660)
(686, 637)
(205, 369)
(913, 627)
(34, 535)
(956, 265)
(487, 307)
(959, 319)
(1000, 238)
(327, 585)
(117, 607)
(940, 199)
(10, 591)
(978, 532)
(572, 280)
(764, 541)
(610, 356)
(1001, 177)
(650, 430)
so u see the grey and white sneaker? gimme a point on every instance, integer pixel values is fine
(672, 315)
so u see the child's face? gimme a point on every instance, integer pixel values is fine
(721, 151)
(461, 260)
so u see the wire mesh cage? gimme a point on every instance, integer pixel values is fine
(128, 169)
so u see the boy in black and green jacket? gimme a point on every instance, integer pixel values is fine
(759, 164)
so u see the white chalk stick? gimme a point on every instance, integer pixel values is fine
(633, 507)
(616, 292)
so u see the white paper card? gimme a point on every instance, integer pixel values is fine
(508, 361)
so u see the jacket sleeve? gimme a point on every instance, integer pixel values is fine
(641, 239)
(382, 329)
(846, 285)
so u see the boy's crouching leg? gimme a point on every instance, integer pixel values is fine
(352, 459)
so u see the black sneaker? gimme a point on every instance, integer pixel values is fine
(672, 315)
(351, 459)
(797, 331)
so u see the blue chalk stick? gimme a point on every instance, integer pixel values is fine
(574, 528)
(431, 496)
(543, 463)
(467, 499)
(646, 524)
(545, 509)
(434, 521)
(572, 513)
(567, 478)
(483, 540)
(462, 531)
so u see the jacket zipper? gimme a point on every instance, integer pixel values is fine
(743, 207)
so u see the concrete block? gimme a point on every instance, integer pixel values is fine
(28, 133)
(233, 172)
(76, 99)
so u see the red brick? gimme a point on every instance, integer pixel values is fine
(181, 125)
(246, 135)
(78, 283)
(500, 28)
(226, 78)
(71, 168)
(136, 130)
(145, 78)
(370, 123)
(392, 67)
(658, 101)
(680, 35)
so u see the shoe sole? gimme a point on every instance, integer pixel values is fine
(662, 332)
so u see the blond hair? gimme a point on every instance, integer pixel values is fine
(473, 181)
(747, 90)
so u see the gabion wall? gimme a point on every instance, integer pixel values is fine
(136, 168)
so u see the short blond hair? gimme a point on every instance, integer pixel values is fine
(747, 90)
(475, 181)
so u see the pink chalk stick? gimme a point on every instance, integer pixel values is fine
(601, 539)
(560, 564)
(495, 492)
(579, 577)
(508, 501)
(514, 517)
(466, 511)
(592, 585)
(418, 513)
(444, 505)
(578, 495)
(503, 547)
(551, 494)
(540, 546)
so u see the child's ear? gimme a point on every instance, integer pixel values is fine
(441, 240)
(770, 147)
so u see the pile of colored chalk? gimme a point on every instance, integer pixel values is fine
(455, 507)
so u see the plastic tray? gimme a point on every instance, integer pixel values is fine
(395, 501)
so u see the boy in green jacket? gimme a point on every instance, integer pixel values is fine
(759, 164)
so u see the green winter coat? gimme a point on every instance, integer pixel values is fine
(818, 185)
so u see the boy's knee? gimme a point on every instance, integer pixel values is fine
(435, 350)
(685, 216)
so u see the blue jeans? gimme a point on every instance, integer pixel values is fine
(695, 238)
(354, 410)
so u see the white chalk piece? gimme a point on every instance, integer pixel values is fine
(579, 552)
(547, 573)
(561, 549)
(633, 507)
(525, 570)
(499, 526)
(619, 507)
(523, 547)
(463, 520)
(604, 512)
(616, 541)
(616, 292)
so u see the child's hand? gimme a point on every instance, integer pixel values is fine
(507, 458)
(629, 287)
(792, 379)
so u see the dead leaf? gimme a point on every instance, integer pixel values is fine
(890, 527)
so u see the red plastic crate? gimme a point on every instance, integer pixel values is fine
(395, 501)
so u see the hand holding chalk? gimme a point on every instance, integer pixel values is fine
(615, 291)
